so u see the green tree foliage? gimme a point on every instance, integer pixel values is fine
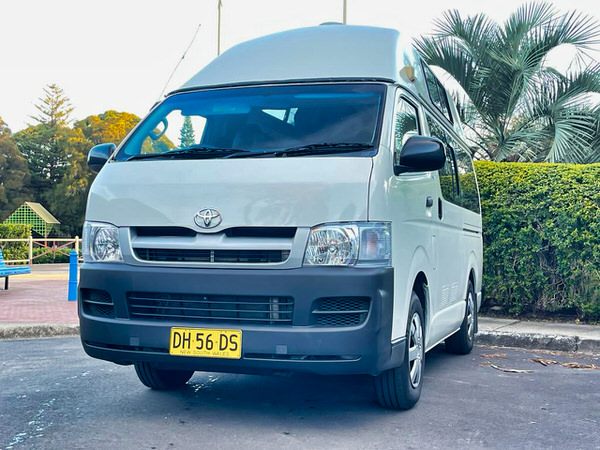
(44, 145)
(187, 137)
(14, 174)
(67, 200)
(56, 154)
(54, 109)
(517, 107)
(109, 127)
(541, 227)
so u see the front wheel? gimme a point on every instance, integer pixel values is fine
(161, 379)
(462, 341)
(400, 388)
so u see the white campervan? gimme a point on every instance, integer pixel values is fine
(304, 203)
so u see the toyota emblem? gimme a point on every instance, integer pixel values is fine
(208, 218)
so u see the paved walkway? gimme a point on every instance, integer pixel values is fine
(532, 327)
(539, 334)
(38, 298)
(36, 305)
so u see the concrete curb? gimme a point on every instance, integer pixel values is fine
(37, 331)
(537, 341)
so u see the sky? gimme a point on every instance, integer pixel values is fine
(119, 54)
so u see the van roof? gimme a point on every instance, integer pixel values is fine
(325, 52)
(331, 51)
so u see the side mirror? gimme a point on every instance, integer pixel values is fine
(421, 154)
(98, 156)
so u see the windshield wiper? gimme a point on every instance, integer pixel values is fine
(210, 152)
(195, 152)
(322, 148)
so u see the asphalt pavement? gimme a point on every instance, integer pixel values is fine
(53, 396)
(36, 306)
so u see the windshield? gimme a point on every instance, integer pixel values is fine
(296, 120)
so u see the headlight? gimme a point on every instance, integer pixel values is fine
(101, 242)
(350, 244)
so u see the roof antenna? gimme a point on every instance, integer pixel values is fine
(179, 62)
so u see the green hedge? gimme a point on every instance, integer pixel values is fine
(541, 227)
(14, 250)
(60, 256)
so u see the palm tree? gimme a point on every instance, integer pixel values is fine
(516, 107)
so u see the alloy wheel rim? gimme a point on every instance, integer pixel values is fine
(415, 350)
(470, 316)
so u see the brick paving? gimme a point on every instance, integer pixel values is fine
(38, 298)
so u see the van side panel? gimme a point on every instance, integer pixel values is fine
(401, 200)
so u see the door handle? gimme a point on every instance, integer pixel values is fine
(440, 212)
(429, 202)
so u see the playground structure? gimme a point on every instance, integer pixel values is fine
(34, 214)
(42, 223)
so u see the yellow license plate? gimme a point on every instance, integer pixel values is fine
(206, 343)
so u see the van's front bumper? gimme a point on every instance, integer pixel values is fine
(302, 346)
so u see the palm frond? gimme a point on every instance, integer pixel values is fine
(561, 105)
(520, 23)
(594, 154)
(518, 108)
(574, 133)
(448, 55)
(460, 47)
(578, 29)
(523, 145)
(474, 32)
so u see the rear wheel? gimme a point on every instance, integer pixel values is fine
(400, 388)
(462, 341)
(161, 379)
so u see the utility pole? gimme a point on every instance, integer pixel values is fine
(219, 6)
(344, 18)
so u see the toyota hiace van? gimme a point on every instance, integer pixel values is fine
(306, 202)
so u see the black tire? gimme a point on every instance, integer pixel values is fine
(400, 388)
(161, 379)
(461, 342)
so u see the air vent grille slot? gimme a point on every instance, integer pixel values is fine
(256, 310)
(212, 256)
(340, 311)
(96, 302)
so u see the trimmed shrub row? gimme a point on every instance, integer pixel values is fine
(14, 250)
(59, 256)
(19, 250)
(541, 227)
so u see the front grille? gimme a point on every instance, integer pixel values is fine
(261, 310)
(97, 303)
(212, 256)
(263, 232)
(340, 311)
(164, 232)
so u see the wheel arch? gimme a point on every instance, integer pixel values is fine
(421, 287)
(475, 276)
(412, 274)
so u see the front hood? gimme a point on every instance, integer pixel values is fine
(293, 191)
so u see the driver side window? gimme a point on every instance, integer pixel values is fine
(406, 125)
